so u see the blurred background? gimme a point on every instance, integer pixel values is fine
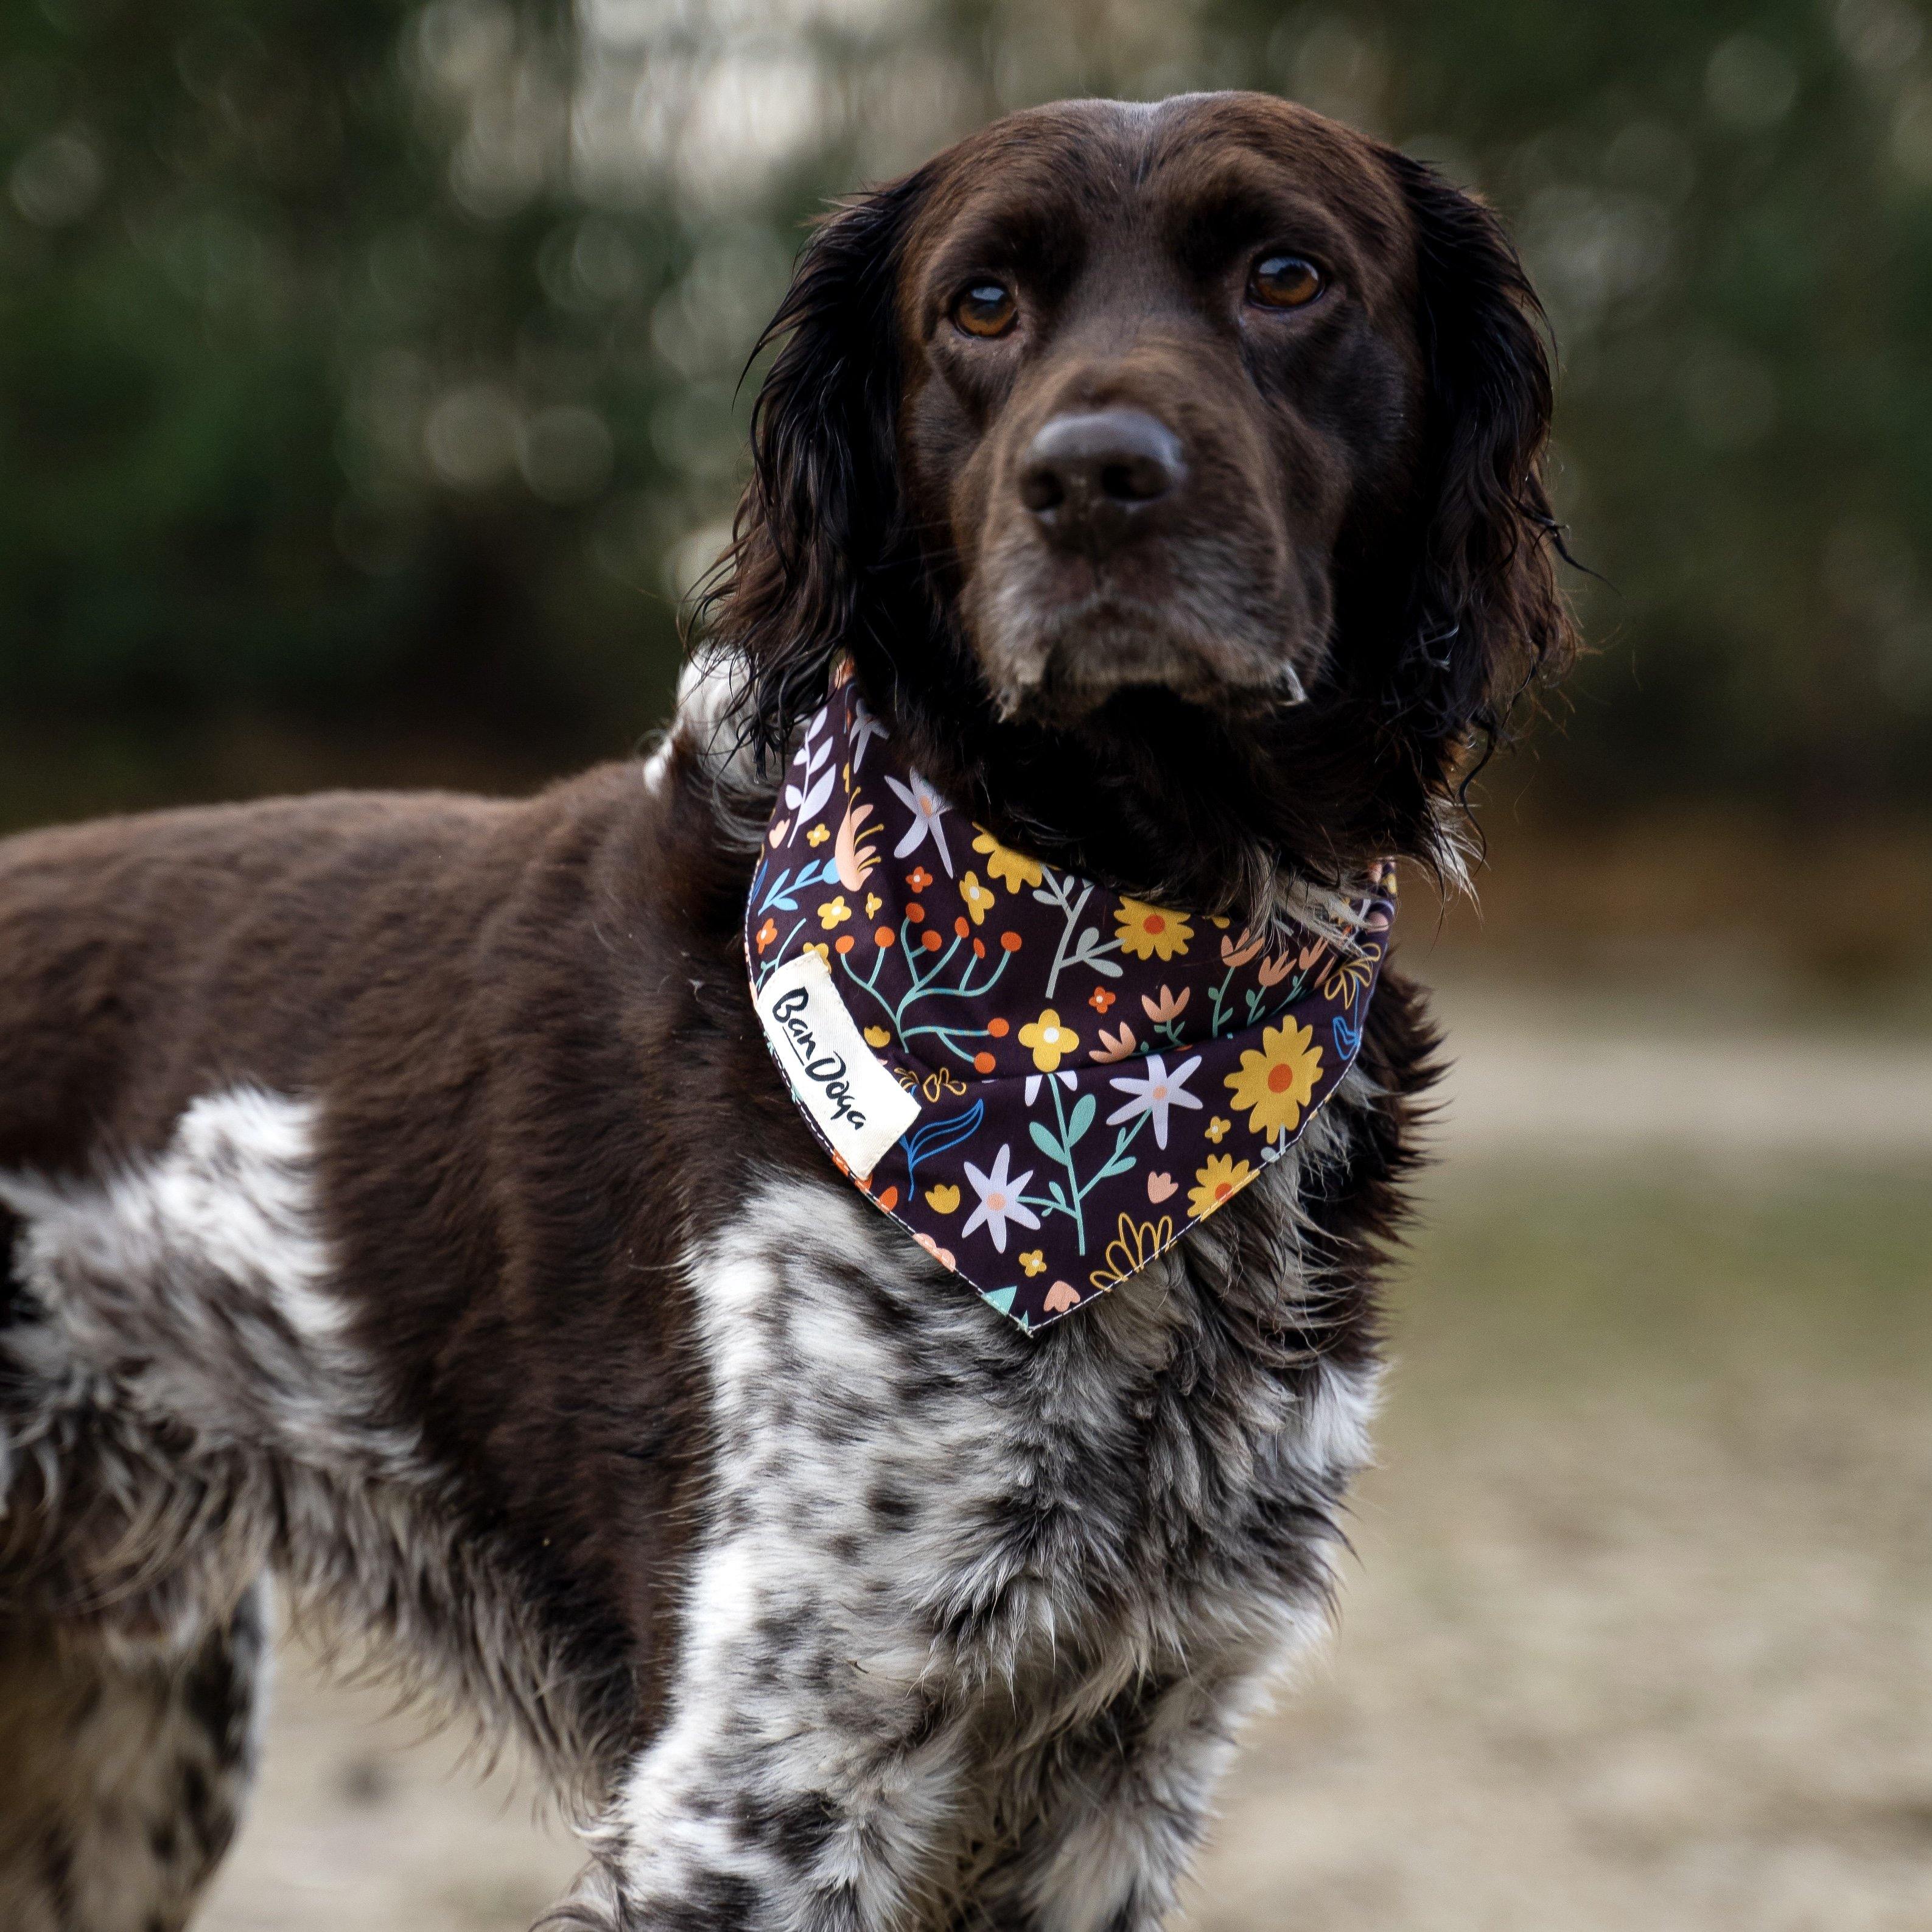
(369, 396)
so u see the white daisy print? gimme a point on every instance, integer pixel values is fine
(999, 1199)
(1154, 1092)
(927, 807)
(1068, 1081)
(863, 728)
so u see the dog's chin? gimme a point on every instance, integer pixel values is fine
(1059, 669)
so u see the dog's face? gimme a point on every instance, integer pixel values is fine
(1171, 474)
(1154, 358)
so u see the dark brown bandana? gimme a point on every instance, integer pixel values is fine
(1045, 1082)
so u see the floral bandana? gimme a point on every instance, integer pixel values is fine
(1045, 1082)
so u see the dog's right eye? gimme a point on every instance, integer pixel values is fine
(986, 309)
(1284, 281)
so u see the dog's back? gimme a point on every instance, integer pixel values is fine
(144, 961)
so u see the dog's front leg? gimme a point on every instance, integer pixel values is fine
(807, 1776)
(796, 1787)
(1118, 1808)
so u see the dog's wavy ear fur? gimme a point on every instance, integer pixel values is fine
(1486, 617)
(819, 538)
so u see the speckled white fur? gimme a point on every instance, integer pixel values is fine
(929, 1633)
(184, 1407)
(973, 1617)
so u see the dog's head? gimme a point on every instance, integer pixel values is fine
(1171, 474)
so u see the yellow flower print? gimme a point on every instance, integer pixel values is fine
(1222, 1176)
(824, 952)
(1033, 1262)
(1350, 978)
(942, 1200)
(1049, 1040)
(1149, 933)
(834, 912)
(1132, 1247)
(817, 835)
(873, 902)
(977, 898)
(1216, 1127)
(877, 1036)
(1012, 869)
(1275, 1084)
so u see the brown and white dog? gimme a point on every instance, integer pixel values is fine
(400, 1201)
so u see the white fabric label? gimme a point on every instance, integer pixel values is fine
(859, 1107)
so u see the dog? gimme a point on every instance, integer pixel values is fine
(402, 1202)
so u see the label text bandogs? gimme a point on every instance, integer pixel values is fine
(826, 1071)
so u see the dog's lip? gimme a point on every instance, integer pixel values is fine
(1063, 694)
(1085, 649)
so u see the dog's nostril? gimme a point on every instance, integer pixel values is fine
(1041, 489)
(1114, 460)
(1135, 482)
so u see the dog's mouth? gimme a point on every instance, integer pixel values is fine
(1214, 611)
(1076, 668)
(1055, 659)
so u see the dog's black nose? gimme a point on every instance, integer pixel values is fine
(1090, 478)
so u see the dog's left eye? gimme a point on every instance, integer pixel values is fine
(1284, 281)
(986, 309)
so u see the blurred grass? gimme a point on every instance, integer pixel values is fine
(1639, 1632)
(1540, 1275)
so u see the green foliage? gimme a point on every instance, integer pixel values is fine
(377, 366)
(283, 424)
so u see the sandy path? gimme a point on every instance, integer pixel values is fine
(1641, 1634)
(1527, 1074)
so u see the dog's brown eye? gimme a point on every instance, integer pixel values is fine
(987, 308)
(1284, 281)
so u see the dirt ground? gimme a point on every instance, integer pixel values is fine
(1639, 1630)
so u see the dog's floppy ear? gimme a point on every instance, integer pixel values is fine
(820, 519)
(1486, 616)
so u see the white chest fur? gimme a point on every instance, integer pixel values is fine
(964, 1594)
